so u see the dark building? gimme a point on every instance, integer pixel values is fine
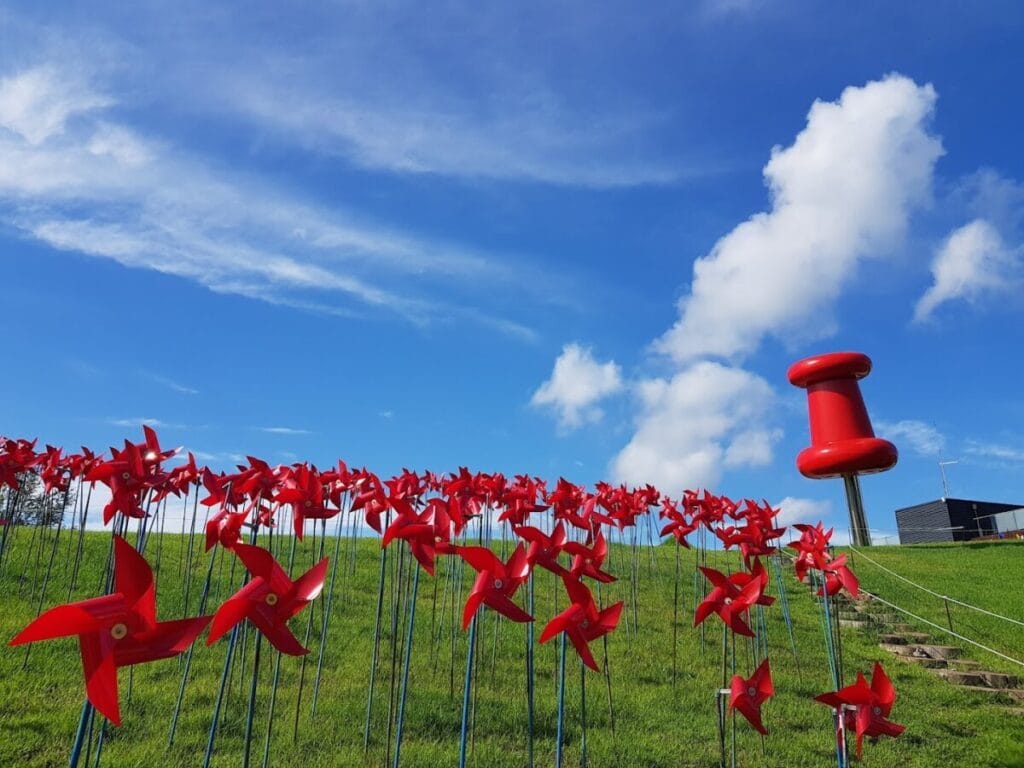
(953, 520)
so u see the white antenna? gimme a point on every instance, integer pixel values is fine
(942, 471)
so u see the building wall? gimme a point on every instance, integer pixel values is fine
(976, 517)
(918, 524)
(968, 519)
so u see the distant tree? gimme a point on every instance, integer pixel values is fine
(32, 505)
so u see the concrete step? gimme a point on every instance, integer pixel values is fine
(963, 664)
(977, 678)
(924, 661)
(904, 638)
(1008, 695)
(851, 624)
(944, 652)
(896, 648)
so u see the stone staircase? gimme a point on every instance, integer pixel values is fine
(913, 647)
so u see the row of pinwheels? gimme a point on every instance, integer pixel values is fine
(431, 513)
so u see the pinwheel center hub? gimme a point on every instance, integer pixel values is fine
(498, 584)
(727, 601)
(877, 710)
(751, 691)
(271, 599)
(119, 631)
(125, 475)
(584, 624)
(308, 503)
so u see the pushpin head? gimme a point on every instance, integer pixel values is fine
(842, 440)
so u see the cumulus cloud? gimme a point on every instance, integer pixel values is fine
(921, 438)
(972, 262)
(693, 424)
(842, 192)
(794, 509)
(577, 383)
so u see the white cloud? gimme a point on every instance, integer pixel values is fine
(842, 192)
(751, 448)
(171, 384)
(138, 421)
(37, 103)
(284, 430)
(76, 179)
(971, 263)
(921, 438)
(994, 451)
(519, 138)
(689, 424)
(577, 383)
(794, 509)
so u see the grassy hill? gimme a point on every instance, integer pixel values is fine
(656, 723)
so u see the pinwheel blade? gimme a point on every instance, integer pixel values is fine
(133, 578)
(100, 676)
(310, 584)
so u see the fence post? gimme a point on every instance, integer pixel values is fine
(949, 617)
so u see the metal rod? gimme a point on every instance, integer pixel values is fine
(858, 522)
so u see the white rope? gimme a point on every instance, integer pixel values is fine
(936, 594)
(947, 631)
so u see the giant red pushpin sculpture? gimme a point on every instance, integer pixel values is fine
(842, 441)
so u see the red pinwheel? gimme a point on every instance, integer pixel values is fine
(126, 476)
(225, 528)
(732, 596)
(837, 577)
(306, 495)
(867, 707)
(428, 533)
(496, 582)
(269, 600)
(544, 549)
(54, 470)
(811, 547)
(747, 696)
(587, 561)
(116, 630)
(582, 622)
(16, 456)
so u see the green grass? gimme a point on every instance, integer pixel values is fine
(987, 574)
(656, 724)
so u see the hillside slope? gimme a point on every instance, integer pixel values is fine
(656, 724)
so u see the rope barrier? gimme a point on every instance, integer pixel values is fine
(957, 635)
(953, 600)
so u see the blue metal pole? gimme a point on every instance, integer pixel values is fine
(405, 671)
(529, 676)
(465, 691)
(561, 703)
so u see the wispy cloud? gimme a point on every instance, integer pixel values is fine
(75, 176)
(519, 138)
(284, 431)
(138, 421)
(921, 438)
(170, 383)
(998, 451)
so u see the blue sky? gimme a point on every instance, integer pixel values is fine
(559, 238)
